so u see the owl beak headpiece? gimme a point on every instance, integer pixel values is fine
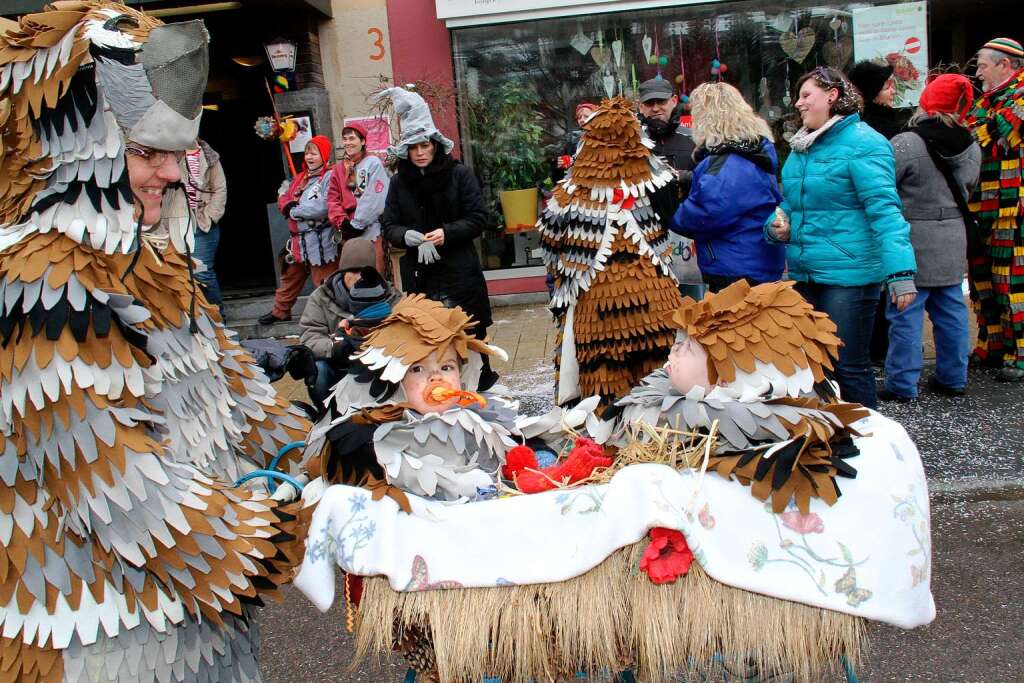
(767, 332)
(417, 327)
(156, 94)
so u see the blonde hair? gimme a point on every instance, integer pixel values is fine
(720, 115)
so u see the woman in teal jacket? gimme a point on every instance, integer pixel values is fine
(842, 221)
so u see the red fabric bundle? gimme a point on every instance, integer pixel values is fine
(521, 467)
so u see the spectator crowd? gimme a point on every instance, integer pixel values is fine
(877, 213)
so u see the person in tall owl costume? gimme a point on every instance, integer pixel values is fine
(605, 244)
(126, 409)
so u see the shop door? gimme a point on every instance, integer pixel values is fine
(235, 97)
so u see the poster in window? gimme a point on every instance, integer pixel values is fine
(897, 35)
(378, 134)
(303, 134)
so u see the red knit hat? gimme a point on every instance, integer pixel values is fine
(948, 94)
(325, 147)
(585, 105)
(359, 128)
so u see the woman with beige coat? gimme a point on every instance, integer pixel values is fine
(207, 192)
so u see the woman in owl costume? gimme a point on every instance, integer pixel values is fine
(609, 253)
(126, 410)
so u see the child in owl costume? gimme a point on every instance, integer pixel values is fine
(609, 253)
(126, 409)
(401, 421)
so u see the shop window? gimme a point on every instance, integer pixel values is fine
(549, 66)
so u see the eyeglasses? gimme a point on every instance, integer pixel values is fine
(155, 158)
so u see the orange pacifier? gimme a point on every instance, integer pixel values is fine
(440, 393)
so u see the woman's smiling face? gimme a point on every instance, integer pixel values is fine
(815, 104)
(150, 171)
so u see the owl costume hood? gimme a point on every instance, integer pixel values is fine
(609, 253)
(126, 408)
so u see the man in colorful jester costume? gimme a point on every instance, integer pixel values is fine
(126, 410)
(997, 271)
(610, 256)
(733, 459)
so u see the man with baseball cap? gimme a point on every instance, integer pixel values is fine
(997, 274)
(659, 112)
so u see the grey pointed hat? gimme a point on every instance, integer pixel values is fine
(158, 99)
(415, 120)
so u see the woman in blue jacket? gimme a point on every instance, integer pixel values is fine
(842, 221)
(734, 190)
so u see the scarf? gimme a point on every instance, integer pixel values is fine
(428, 185)
(947, 141)
(804, 138)
(998, 116)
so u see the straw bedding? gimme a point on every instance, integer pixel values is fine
(606, 620)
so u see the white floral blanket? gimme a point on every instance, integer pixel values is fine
(868, 555)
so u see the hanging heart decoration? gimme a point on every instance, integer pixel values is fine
(581, 42)
(648, 45)
(838, 54)
(600, 56)
(609, 85)
(617, 52)
(798, 45)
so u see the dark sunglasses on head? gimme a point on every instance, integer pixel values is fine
(823, 75)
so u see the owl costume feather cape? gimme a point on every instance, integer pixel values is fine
(609, 253)
(126, 409)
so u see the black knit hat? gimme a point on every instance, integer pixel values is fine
(369, 295)
(869, 78)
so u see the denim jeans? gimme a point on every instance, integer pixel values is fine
(326, 377)
(852, 309)
(948, 313)
(205, 252)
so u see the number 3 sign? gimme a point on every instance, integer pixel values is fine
(378, 43)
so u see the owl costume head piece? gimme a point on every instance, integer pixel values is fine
(765, 341)
(77, 82)
(416, 328)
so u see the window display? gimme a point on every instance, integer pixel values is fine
(519, 84)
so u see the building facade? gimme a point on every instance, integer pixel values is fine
(471, 58)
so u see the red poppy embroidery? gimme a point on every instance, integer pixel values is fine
(378, 186)
(667, 557)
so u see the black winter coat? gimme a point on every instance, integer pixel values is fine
(445, 196)
(888, 121)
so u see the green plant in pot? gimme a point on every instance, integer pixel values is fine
(508, 150)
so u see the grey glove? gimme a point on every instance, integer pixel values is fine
(428, 253)
(414, 238)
